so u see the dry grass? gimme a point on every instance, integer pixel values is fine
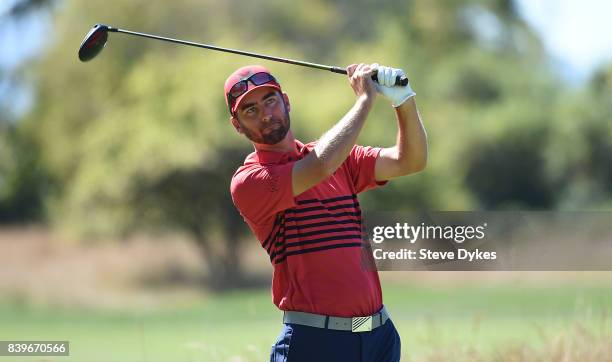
(37, 267)
(578, 344)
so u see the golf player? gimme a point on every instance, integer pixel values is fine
(300, 201)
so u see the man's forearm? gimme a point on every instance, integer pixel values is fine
(336, 144)
(411, 143)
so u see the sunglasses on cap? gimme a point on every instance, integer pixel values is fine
(242, 86)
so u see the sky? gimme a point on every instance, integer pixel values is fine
(576, 33)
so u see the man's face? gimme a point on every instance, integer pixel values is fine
(263, 116)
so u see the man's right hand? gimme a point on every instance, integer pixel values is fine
(360, 77)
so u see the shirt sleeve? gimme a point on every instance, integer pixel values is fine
(259, 192)
(361, 164)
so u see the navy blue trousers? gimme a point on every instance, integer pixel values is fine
(298, 343)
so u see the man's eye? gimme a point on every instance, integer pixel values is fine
(271, 100)
(250, 110)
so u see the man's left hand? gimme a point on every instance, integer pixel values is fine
(386, 85)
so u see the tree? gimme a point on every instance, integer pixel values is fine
(23, 180)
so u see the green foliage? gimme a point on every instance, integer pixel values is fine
(580, 151)
(145, 110)
(509, 169)
(23, 182)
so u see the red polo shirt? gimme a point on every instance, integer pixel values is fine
(314, 240)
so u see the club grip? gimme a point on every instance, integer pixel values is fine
(401, 81)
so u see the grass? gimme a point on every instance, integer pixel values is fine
(471, 323)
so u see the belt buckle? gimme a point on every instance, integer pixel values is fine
(361, 324)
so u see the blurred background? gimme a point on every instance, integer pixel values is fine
(117, 230)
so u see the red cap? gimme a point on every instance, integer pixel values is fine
(242, 74)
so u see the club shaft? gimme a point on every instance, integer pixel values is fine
(234, 51)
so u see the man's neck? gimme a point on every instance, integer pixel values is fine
(284, 146)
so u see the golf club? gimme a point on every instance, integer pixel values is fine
(97, 37)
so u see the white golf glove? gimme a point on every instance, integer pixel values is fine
(386, 85)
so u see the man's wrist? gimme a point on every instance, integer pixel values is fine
(407, 104)
(409, 93)
(365, 100)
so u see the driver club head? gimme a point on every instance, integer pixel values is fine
(93, 42)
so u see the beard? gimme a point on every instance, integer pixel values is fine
(278, 131)
(274, 132)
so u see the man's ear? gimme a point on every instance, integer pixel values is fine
(286, 99)
(236, 124)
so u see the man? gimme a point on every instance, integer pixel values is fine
(300, 202)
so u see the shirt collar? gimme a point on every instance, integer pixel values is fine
(274, 157)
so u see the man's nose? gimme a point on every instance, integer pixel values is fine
(267, 115)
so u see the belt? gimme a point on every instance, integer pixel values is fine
(355, 324)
